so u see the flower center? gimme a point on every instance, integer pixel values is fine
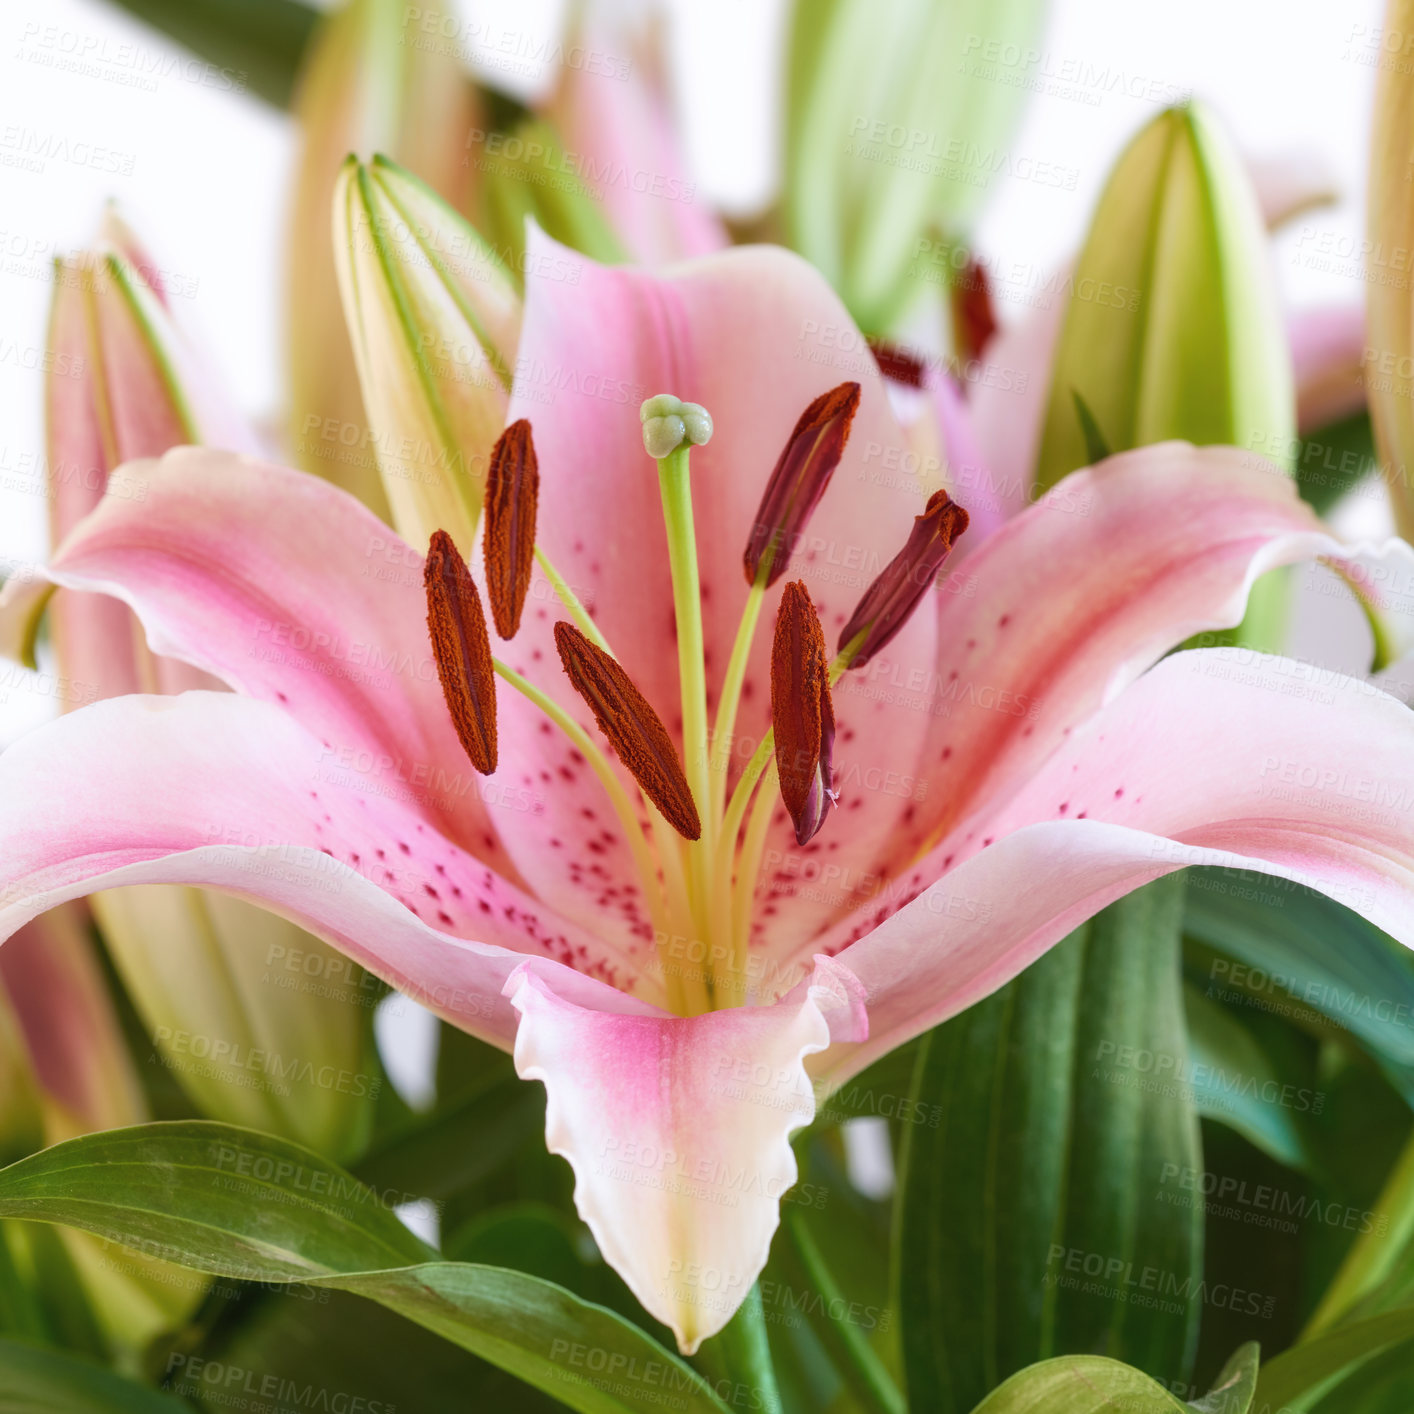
(699, 860)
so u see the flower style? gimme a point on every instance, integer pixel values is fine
(1007, 760)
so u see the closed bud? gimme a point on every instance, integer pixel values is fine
(1389, 303)
(890, 128)
(434, 319)
(1173, 329)
(378, 76)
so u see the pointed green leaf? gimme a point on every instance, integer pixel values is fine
(1308, 953)
(39, 1381)
(253, 44)
(239, 1204)
(1033, 1208)
(1092, 1384)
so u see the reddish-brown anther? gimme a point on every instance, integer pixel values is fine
(512, 492)
(802, 473)
(462, 649)
(889, 602)
(633, 728)
(801, 712)
(974, 321)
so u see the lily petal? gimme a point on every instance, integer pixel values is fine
(1216, 757)
(289, 590)
(754, 335)
(217, 790)
(1066, 605)
(617, 125)
(678, 1131)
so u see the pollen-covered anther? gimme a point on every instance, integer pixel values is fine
(633, 728)
(512, 494)
(801, 713)
(802, 472)
(462, 649)
(889, 602)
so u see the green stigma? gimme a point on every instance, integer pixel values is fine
(668, 423)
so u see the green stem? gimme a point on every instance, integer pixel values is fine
(740, 1355)
(731, 687)
(1373, 1254)
(570, 600)
(676, 487)
(855, 1358)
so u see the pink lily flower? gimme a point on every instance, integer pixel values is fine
(1007, 763)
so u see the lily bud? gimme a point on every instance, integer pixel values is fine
(378, 77)
(1173, 327)
(1389, 304)
(122, 382)
(434, 319)
(880, 119)
(83, 1073)
(802, 472)
(204, 971)
(889, 602)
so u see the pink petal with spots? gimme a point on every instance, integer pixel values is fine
(754, 334)
(221, 791)
(1067, 604)
(678, 1131)
(289, 590)
(1219, 757)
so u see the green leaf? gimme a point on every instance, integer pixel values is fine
(979, 1201)
(39, 1381)
(337, 1344)
(1234, 1078)
(1300, 950)
(1033, 1207)
(1384, 1384)
(1300, 1375)
(1096, 447)
(1334, 460)
(428, 1155)
(253, 44)
(234, 1203)
(1092, 1384)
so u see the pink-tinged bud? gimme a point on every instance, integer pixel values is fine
(889, 602)
(802, 473)
(802, 714)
